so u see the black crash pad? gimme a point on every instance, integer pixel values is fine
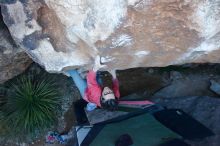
(183, 124)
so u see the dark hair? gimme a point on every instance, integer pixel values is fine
(111, 104)
(106, 79)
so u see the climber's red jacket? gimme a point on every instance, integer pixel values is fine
(93, 91)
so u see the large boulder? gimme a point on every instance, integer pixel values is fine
(13, 59)
(126, 33)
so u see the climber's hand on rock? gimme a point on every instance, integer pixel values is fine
(98, 65)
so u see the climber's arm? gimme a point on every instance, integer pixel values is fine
(115, 83)
(91, 79)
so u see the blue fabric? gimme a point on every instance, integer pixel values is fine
(80, 83)
(91, 106)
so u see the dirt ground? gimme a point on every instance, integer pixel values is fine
(186, 87)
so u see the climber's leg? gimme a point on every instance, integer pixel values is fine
(80, 83)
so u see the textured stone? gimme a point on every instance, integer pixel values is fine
(204, 109)
(13, 59)
(215, 87)
(126, 33)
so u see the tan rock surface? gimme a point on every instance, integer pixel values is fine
(126, 33)
(13, 59)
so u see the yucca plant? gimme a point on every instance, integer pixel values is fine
(31, 105)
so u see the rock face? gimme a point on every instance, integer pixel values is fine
(13, 59)
(215, 87)
(126, 33)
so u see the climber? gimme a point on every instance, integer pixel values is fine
(104, 96)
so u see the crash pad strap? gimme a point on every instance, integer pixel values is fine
(92, 135)
(140, 102)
